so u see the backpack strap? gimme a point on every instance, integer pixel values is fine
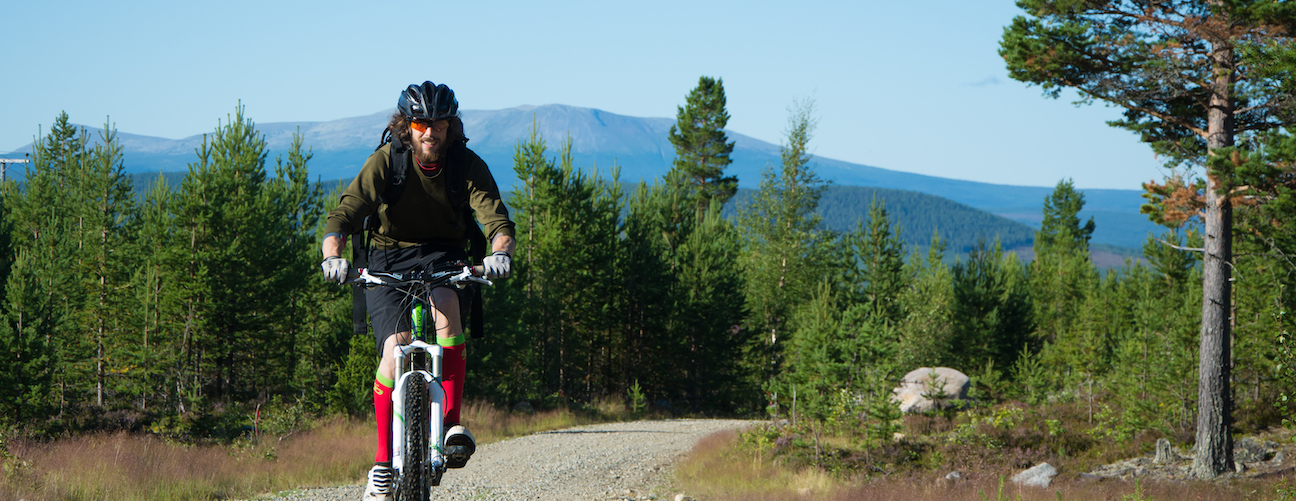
(398, 168)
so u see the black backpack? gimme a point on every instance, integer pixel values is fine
(457, 184)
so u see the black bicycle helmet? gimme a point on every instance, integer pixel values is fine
(428, 102)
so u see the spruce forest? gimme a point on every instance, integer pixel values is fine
(185, 310)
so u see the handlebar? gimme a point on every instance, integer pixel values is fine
(366, 277)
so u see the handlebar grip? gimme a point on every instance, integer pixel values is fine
(479, 271)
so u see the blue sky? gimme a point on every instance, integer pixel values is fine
(908, 86)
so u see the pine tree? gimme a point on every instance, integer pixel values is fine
(701, 147)
(784, 244)
(1061, 226)
(52, 359)
(104, 204)
(649, 275)
(29, 358)
(1061, 272)
(1191, 75)
(1171, 263)
(1082, 350)
(1062, 279)
(11, 376)
(352, 357)
(926, 328)
(820, 361)
(508, 363)
(844, 339)
(991, 308)
(1285, 356)
(875, 264)
(155, 347)
(352, 393)
(707, 311)
(682, 230)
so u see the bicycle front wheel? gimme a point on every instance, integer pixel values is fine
(413, 478)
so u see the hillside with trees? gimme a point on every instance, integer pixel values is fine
(916, 217)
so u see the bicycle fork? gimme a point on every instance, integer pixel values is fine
(434, 456)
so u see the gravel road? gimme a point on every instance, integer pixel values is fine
(617, 461)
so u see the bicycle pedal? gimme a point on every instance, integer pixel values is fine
(457, 455)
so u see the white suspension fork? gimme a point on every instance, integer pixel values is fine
(436, 404)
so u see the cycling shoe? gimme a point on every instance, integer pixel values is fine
(459, 446)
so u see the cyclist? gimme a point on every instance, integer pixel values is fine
(418, 228)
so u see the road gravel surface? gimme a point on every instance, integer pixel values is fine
(617, 461)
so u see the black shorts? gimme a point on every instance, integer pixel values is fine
(389, 308)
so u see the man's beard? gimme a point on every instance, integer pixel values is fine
(425, 157)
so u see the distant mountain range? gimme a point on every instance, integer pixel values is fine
(639, 146)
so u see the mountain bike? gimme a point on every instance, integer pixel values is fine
(418, 431)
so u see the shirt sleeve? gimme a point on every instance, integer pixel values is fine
(486, 202)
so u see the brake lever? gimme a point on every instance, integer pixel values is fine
(361, 276)
(467, 276)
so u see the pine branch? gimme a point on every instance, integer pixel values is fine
(1189, 249)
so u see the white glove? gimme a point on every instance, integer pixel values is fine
(498, 265)
(335, 269)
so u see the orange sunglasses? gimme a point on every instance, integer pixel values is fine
(423, 125)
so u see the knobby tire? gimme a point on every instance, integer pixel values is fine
(413, 480)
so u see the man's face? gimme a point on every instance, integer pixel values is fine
(429, 139)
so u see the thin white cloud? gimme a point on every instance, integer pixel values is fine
(985, 82)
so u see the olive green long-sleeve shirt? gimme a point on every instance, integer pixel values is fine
(423, 213)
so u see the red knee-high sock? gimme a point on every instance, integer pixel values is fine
(454, 364)
(382, 391)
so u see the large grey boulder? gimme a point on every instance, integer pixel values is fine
(919, 392)
(1040, 475)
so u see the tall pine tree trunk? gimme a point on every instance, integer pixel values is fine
(1214, 404)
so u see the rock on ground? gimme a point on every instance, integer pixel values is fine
(1040, 475)
(918, 385)
(1254, 457)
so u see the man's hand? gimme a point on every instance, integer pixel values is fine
(335, 269)
(498, 265)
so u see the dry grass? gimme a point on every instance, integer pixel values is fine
(128, 467)
(125, 466)
(720, 468)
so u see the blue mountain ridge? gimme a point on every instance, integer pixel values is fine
(639, 147)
